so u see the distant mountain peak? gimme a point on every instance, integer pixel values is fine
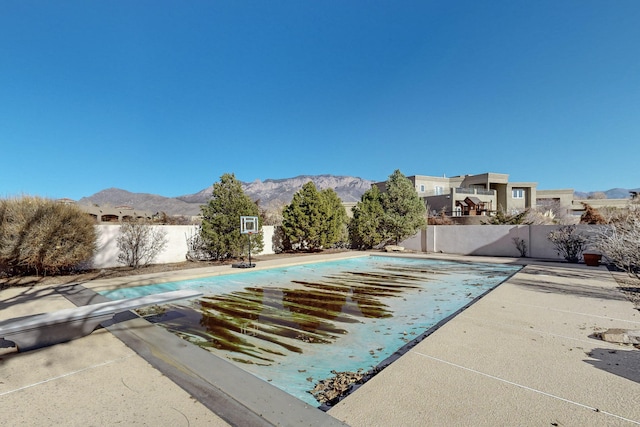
(613, 193)
(272, 194)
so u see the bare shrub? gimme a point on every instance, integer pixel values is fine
(164, 219)
(549, 213)
(41, 236)
(502, 218)
(569, 243)
(440, 219)
(620, 242)
(521, 245)
(540, 217)
(272, 216)
(139, 243)
(197, 248)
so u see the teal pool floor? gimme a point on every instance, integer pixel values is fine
(293, 326)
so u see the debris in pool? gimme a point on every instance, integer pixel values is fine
(330, 390)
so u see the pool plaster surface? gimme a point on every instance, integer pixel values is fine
(524, 354)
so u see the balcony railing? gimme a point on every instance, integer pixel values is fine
(430, 193)
(457, 190)
(481, 191)
(461, 190)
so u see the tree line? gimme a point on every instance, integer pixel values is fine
(39, 236)
(42, 237)
(314, 220)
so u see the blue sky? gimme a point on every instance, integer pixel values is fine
(164, 97)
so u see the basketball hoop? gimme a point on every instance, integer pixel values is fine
(249, 226)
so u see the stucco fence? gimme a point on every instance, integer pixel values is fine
(485, 240)
(489, 240)
(175, 250)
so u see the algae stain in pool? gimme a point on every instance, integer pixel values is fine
(255, 322)
(338, 319)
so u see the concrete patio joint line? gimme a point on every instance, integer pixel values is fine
(539, 331)
(528, 388)
(68, 374)
(575, 312)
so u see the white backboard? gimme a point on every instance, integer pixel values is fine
(248, 224)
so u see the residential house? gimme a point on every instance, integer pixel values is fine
(472, 195)
(108, 214)
(484, 194)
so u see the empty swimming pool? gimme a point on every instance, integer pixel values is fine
(293, 326)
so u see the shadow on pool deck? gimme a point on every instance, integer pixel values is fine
(583, 283)
(521, 355)
(623, 362)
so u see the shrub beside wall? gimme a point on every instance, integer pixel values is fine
(175, 250)
(40, 236)
(488, 240)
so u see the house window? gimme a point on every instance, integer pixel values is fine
(439, 190)
(517, 193)
(422, 188)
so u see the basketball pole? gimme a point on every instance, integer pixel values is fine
(248, 225)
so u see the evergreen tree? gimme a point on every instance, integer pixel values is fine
(221, 220)
(366, 228)
(336, 218)
(313, 220)
(301, 218)
(404, 211)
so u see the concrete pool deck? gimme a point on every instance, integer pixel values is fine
(524, 354)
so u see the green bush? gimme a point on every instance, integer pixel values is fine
(314, 220)
(40, 236)
(392, 216)
(366, 229)
(404, 211)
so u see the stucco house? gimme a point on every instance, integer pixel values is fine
(472, 195)
(108, 214)
(486, 193)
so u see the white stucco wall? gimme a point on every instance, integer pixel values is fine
(487, 240)
(175, 250)
(107, 253)
(479, 239)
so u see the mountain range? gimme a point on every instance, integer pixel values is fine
(614, 193)
(271, 194)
